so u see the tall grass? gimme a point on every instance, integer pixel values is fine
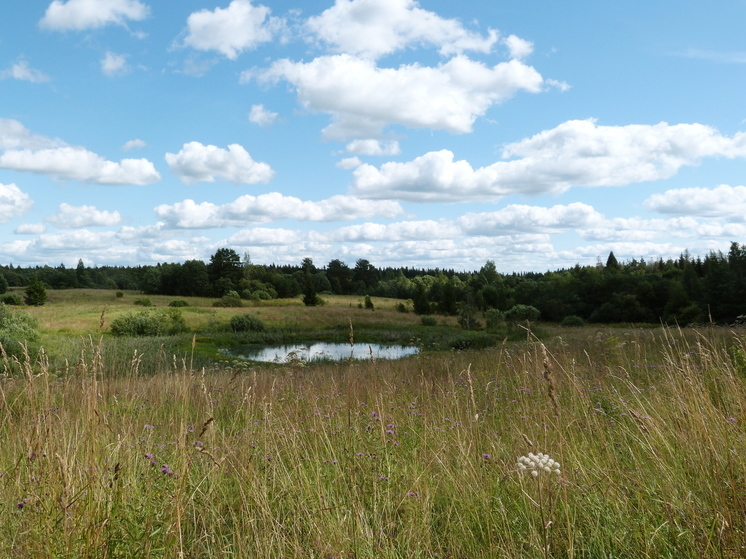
(384, 459)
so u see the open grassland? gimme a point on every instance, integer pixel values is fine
(416, 458)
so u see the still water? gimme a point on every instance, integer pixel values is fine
(314, 351)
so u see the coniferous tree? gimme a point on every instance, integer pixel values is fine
(36, 293)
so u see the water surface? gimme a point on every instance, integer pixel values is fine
(316, 351)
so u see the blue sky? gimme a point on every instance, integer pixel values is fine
(536, 134)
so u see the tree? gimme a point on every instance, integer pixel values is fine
(36, 293)
(3, 284)
(225, 263)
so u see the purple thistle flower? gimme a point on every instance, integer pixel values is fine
(486, 456)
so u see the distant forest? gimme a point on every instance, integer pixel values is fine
(685, 290)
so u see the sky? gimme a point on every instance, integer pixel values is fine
(433, 134)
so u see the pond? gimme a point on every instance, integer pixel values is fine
(317, 351)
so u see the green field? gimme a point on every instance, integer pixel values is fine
(137, 447)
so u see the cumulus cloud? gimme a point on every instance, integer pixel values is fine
(363, 98)
(14, 135)
(529, 219)
(78, 15)
(30, 229)
(134, 144)
(114, 65)
(13, 202)
(231, 30)
(73, 217)
(76, 163)
(349, 163)
(200, 163)
(373, 28)
(576, 153)
(271, 207)
(723, 201)
(261, 116)
(22, 71)
(373, 147)
(519, 48)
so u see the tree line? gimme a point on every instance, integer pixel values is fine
(684, 290)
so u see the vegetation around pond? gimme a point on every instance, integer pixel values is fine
(132, 446)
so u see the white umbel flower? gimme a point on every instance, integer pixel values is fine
(536, 463)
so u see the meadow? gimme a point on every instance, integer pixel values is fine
(115, 448)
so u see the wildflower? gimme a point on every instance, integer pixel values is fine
(536, 463)
(166, 470)
(486, 456)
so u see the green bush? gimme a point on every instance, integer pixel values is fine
(522, 314)
(572, 321)
(230, 299)
(165, 322)
(144, 302)
(401, 307)
(494, 318)
(369, 303)
(178, 303)
(119, 294)
(12, 299)
(429, 321)
(247, 323)
(16, 328)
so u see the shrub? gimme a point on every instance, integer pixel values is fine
(429, 321)
(16, 328)
(494, 318)
(12, 299)
(369, 303)
(247, 323)
(166, 322)
(178, 303)
(230, 299)
(522, 313)
(144, 302)
(572, 321)
(401, 307)
(119, 294)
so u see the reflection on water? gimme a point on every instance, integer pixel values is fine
(314, 351)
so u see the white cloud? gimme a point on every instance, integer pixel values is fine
(114, 64)
(73, 217)
(428, 230)
(519, 48)
(272, 207)
(13, 202)
(22, 71)
(722, 201)
(529, 219)
(14, 135)
(349, 163)
(363, 98)
(261, 116)
(75, 163)
(576, 153)
(30, 229)
(373, 147)
(373, 28)
(134, 144)
(197, 162)
(231, 30)
(78, 15)
(262, 236)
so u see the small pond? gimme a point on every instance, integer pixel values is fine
(315, 351)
